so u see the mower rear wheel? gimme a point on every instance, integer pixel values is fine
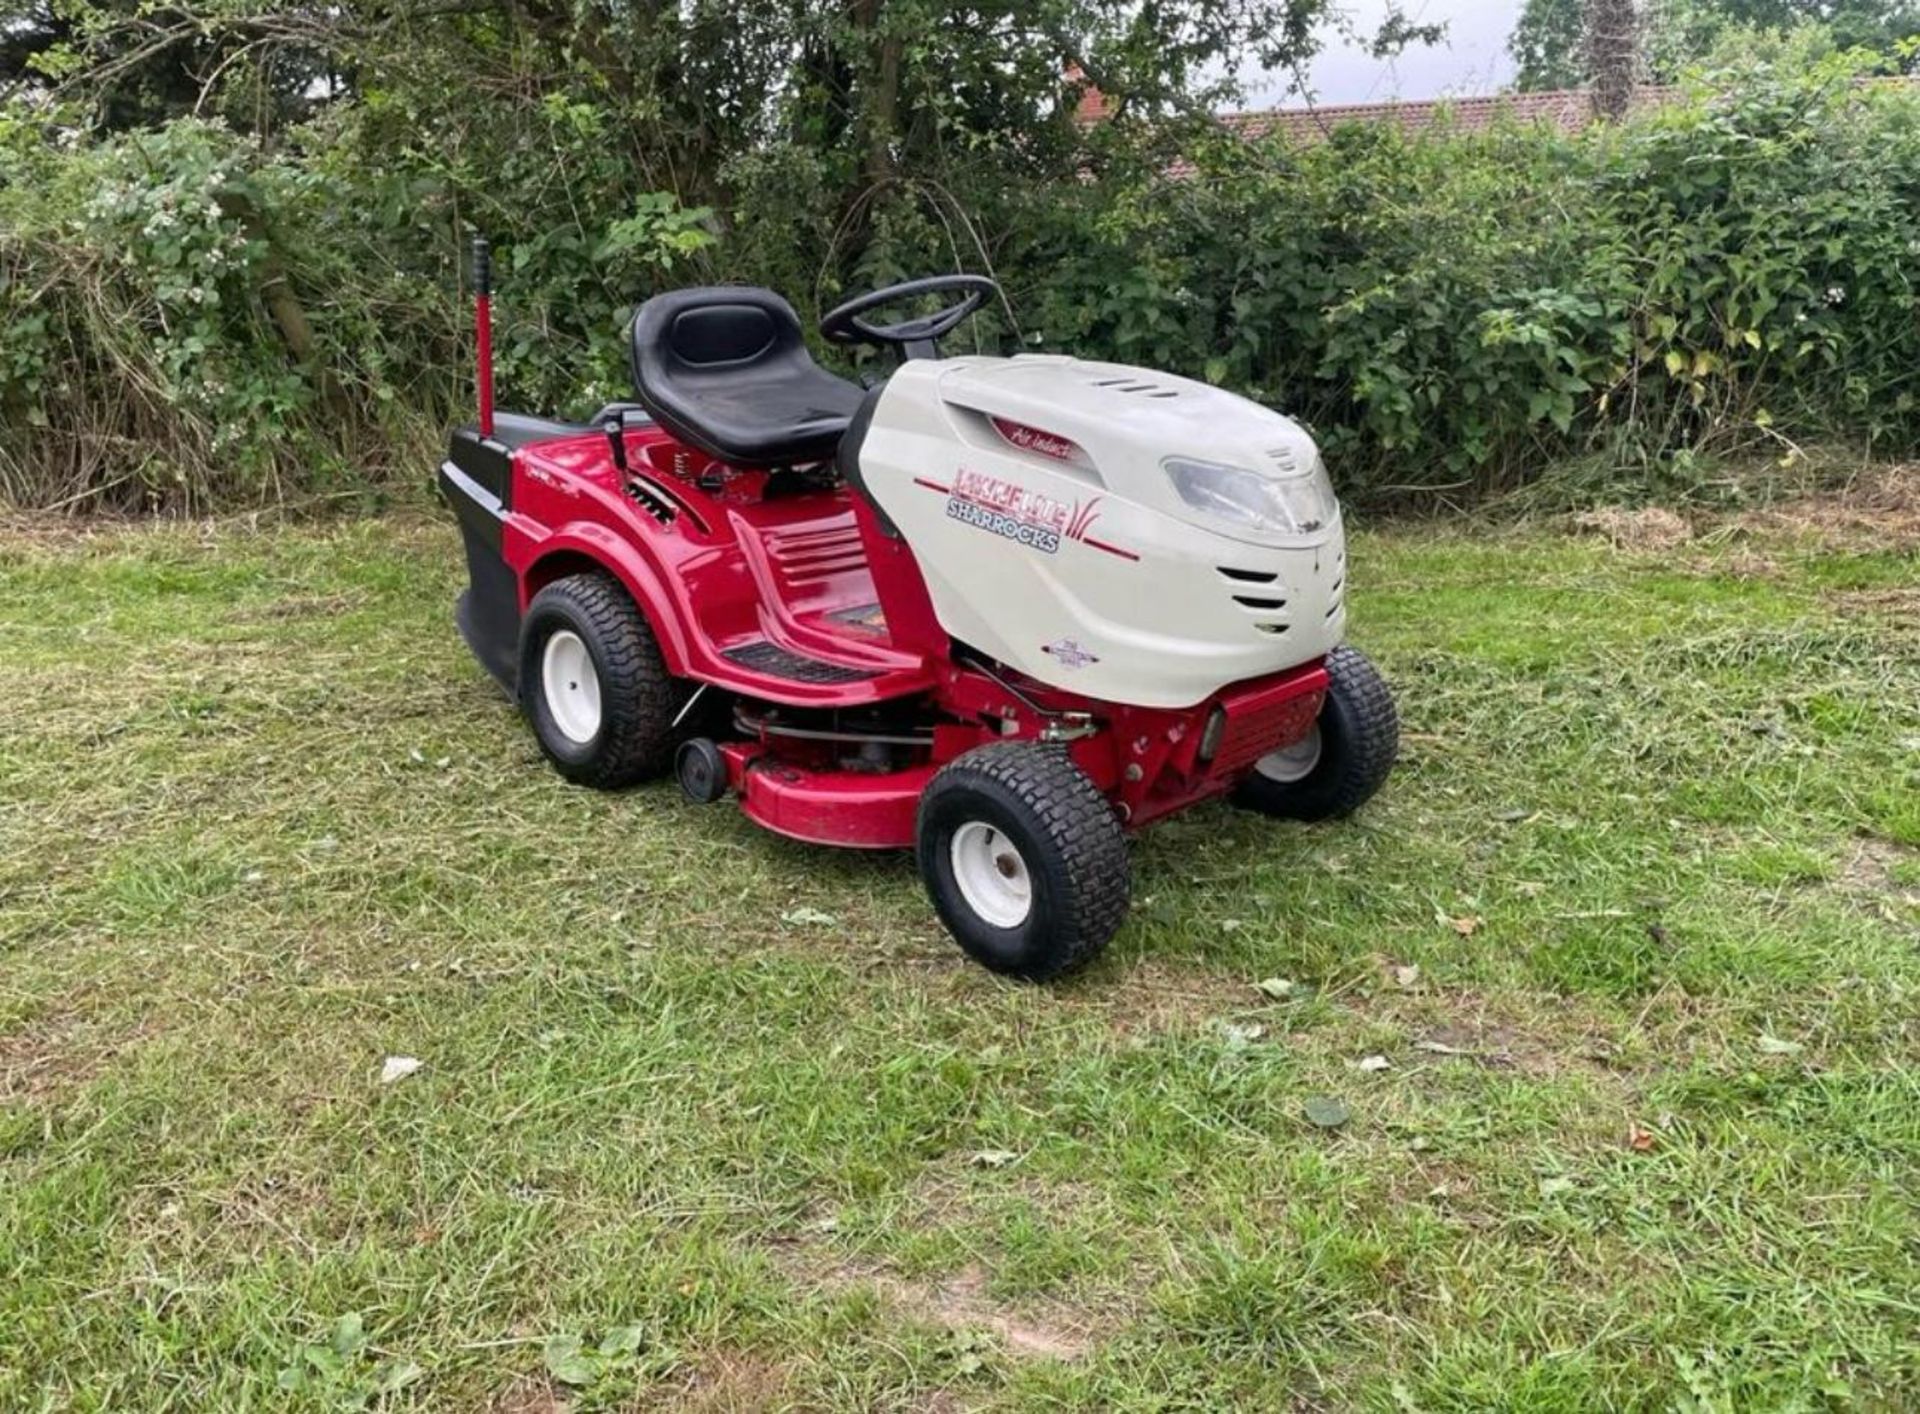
(1024, 859)
(1344, 758)
(593, 684)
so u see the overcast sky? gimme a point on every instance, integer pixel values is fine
(1472, 60)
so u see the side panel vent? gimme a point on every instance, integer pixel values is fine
(651, 502)
(811, 558)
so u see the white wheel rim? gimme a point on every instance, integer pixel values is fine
(1292, 763)
(572, 687)
(992, 876)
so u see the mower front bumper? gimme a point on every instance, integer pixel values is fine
(847, 808)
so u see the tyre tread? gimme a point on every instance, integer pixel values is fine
(1370, 757)
(638, 695)
(1080, 822)
(1368, 744)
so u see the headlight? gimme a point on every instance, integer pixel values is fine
(1297, 504)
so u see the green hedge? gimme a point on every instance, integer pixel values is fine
(1716, 278)
(190, 320)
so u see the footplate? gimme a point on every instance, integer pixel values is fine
(778, 662)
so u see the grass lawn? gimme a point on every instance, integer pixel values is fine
(706, 1120)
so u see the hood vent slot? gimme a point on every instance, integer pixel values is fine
(1136, 385)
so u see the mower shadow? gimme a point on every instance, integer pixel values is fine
(828, 863)
(1210, 887)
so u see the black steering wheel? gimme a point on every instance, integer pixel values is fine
(918, 337)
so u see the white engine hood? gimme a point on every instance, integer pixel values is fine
(1081, 565)
(1120, 415)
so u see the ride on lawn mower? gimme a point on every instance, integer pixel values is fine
(1000, 611)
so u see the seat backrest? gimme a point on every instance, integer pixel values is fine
(726, 369)
(713, 327)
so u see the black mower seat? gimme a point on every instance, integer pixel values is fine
(725, 369)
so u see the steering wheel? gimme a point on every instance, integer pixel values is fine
(916, 337)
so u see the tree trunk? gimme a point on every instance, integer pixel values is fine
(883, 103)
(1613, 56)
(283, 306)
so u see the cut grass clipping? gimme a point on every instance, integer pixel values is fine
(348, 1058)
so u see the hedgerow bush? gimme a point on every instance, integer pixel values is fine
(191, 319)
(185, 319)
(1722, 277)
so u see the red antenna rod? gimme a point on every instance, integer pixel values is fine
(483, 331)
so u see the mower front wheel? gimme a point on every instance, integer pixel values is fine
(594, 686)
(1024, 859)
(1344, 758)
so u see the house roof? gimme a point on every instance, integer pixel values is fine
(1568, 109)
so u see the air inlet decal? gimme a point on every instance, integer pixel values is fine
(1040, 443)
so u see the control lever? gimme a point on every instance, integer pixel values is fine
(616, 429)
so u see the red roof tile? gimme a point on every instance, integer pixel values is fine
(1567, 109)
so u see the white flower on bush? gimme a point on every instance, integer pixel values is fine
(1836, 294)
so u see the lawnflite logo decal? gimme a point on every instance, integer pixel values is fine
(1007, 508)
(1022, 515)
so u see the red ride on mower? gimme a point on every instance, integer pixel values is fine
(1000, 611)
